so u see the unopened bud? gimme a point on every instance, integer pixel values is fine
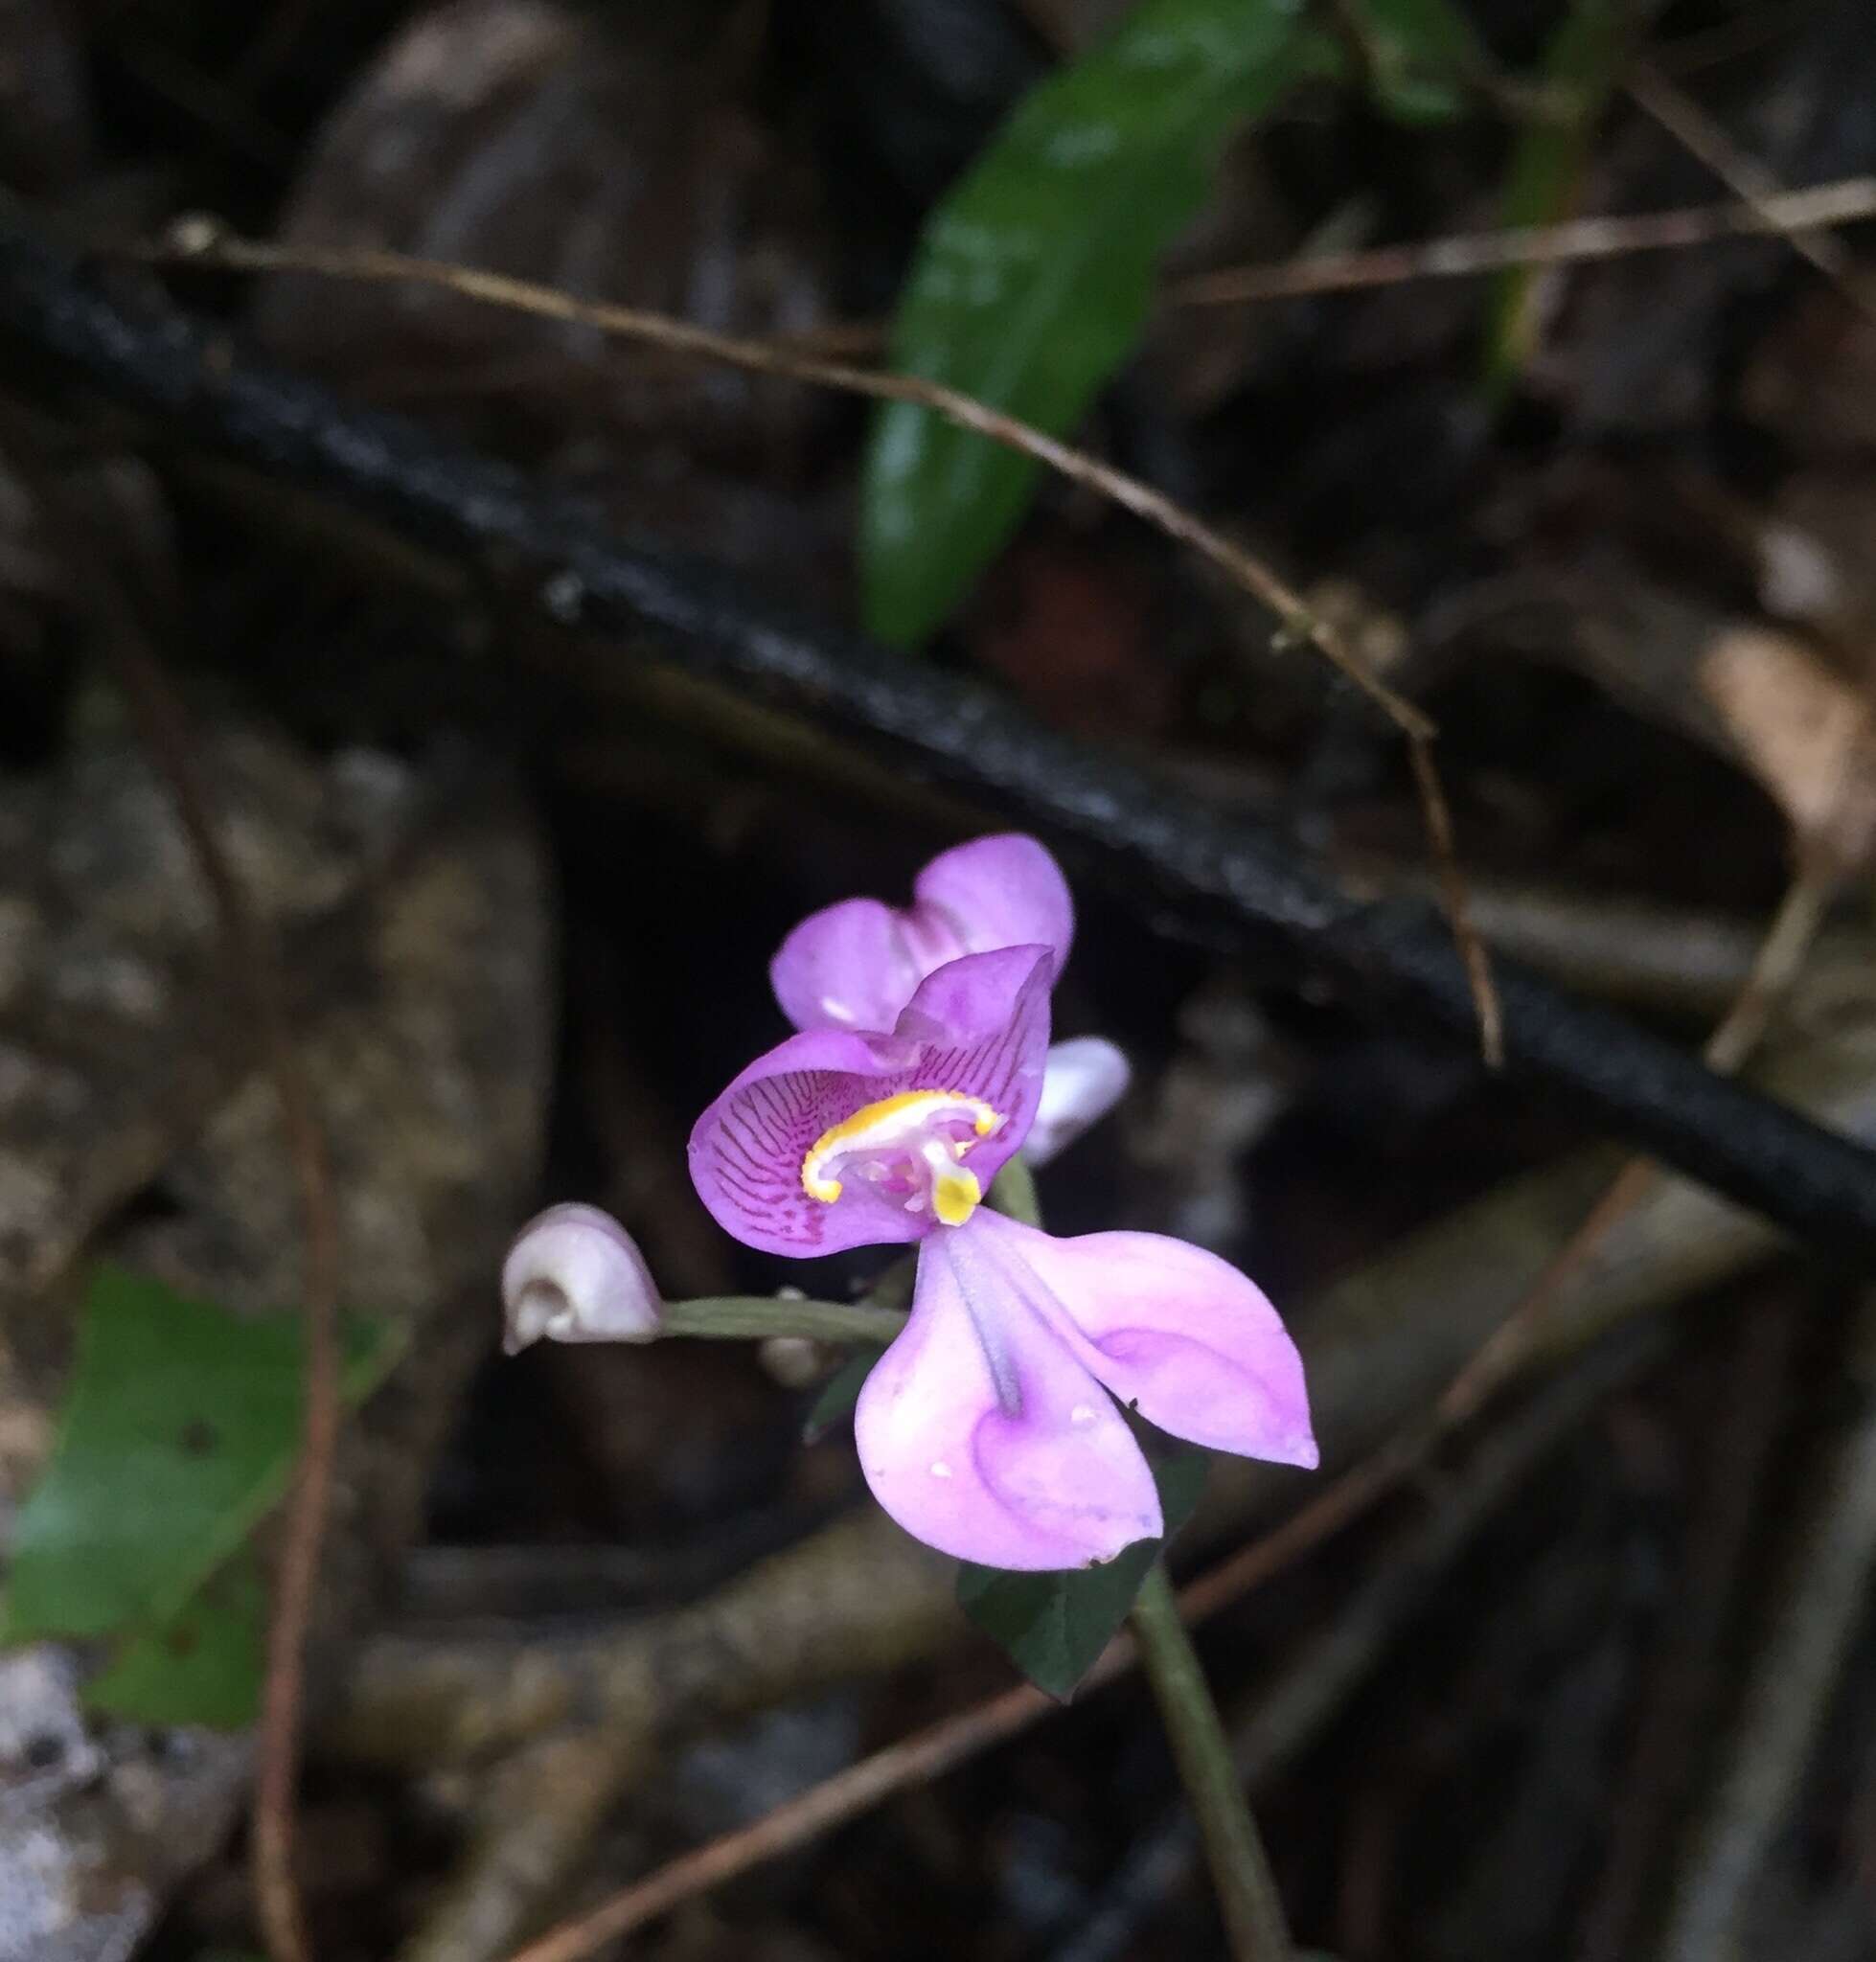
(574, 1274)
(1084, 1077)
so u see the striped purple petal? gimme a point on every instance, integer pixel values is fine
(975, 1030)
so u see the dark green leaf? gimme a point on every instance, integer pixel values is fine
(1420, 56)
(1034, 274)
(1055, 1626)
(204, 1665)
(176, 1437)
(1546, 169)
(836, 1397)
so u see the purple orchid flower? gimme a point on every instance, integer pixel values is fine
(986, 1429)
(856, 965)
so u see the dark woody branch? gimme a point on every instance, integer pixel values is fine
(1223, 875)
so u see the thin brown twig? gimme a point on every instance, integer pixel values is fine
(204, 242)
(1437, 817)
(170, 743)
(926, 1755)
(1743, 174)
(1774, 969)
(931, 1752)
(1468, 255)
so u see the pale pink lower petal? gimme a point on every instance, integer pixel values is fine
(1001, 891)
(1171, 1329)
(847, 967)
(983, 1436)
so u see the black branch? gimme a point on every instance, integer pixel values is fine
(1221, 874)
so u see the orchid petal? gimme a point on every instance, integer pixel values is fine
(856, 965)
(1173, 1330)
(574, 1274)
(848, 967)
(981, 1433)
(1085, 1077)
(1001, 891)
(978, 1027)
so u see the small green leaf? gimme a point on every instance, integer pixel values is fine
(1054, 1627)
(204, 1665)
(1013, 1192)
(836, 1397)
(1034, 277)
(1420, 56)
(1546, 171)
(176, 1437)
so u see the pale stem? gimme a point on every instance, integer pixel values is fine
(1248, 1898)
(754, 1317)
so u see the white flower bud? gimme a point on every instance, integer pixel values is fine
(1085, 1077)
(574, 1274)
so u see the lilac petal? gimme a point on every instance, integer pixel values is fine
(983, 1436)
(978, 1027)
(1171, 1329)
(1085, 1077)
(1002, 891)
(848, 967)
(856, 965)
(574, 1274)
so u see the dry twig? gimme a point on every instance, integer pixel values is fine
(1775, 969)
(165, 726)
(1467, 255)
(204, 242)
(1822, 1592)
(1690, 126)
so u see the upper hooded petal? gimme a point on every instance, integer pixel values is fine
(978, 1027)
(856, 965)
(983, 1435)
(848, 967)
(1001, 891)
(1175, 1332)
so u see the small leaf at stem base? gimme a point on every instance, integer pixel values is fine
(1054, 1626)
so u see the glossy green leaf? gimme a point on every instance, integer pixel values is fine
(176, 1437)
(1054, 1627)
(1421, 54)
(1034, 277)
(1546, 171)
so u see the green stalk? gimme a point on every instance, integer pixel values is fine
(1254, 1923)
(1013, 1192)
(754, 1317)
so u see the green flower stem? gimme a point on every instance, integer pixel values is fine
(754, 1317)
(1013, 1192)
(1247, 1894)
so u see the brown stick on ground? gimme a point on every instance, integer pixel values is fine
(1690, 126)
(203, 242)
(1792, 214)
(1822, 1591)
(164, 727)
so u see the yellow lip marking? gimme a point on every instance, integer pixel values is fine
(896, 1121)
